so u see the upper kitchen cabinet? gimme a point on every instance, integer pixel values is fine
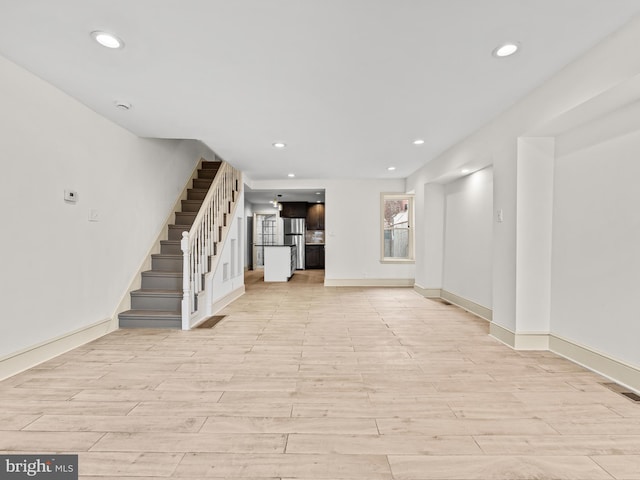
(315, 216)
(293, 210)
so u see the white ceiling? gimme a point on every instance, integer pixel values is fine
(347, 84)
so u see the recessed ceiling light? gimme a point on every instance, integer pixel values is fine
(318, 193)
(506, 50)
(124, 106)
(279, 145)
(418, 141)
(291, 175)
(108, 40)
(391, 169)
(318, 201)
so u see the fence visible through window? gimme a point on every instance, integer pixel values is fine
(397, 219)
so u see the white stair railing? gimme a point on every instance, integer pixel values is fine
(202, 243)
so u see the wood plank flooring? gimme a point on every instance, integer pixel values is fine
(300, 381)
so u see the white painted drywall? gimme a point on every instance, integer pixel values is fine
(352, 235)
(430, 237)
(598, 71)
(232, 255)
(61, 272)
(534, 226)
(504, 233)
(468, 237)
(596, 248)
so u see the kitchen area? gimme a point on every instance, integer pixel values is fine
(286, 236)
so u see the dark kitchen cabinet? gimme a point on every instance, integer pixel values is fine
(293, 210)
(314, 256)
(315, 216)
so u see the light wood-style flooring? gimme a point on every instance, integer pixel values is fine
(305, 382)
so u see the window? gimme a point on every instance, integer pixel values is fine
(397, 228)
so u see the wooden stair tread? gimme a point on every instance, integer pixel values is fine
(151, 313)
(156, 291)
(158, 302)
(162, 273)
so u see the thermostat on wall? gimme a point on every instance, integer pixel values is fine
(70, 196)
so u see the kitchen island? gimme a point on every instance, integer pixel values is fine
(279, 262)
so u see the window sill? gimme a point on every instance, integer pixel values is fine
(397, 260)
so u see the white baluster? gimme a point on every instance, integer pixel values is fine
(198, 244)
(186, 282)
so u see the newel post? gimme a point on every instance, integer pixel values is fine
(186, 283)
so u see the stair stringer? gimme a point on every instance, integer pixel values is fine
(136, 281)
(219, 290)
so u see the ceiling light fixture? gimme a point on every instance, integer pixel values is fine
(465, 170)
(108, 40)
(279, 145)
(124, 106)
(318, 193)
(506, 50)
(291, 175)
(391, 169)
(418, 141)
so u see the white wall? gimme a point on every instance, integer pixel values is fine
(226, 282)
(352, 231)
(231, 255)
(596, 248)
(468, 237)
(534, 227)
(565, 257)
(61, 272)
(597, 72)
(352, 228)
(430, 232)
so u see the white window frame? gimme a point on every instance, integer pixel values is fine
(411, 220)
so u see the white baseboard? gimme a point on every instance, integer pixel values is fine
(502, 334)
(368, 282)
(220, 304)
(520, 341)
(616, 370)
(468, 305)
(30, 357)
(428, 292)
(227, 299)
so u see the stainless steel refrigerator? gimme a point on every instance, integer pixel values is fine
(294, 234)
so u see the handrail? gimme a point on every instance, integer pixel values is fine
(199, 244)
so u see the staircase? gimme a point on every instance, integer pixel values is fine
(158, 303)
